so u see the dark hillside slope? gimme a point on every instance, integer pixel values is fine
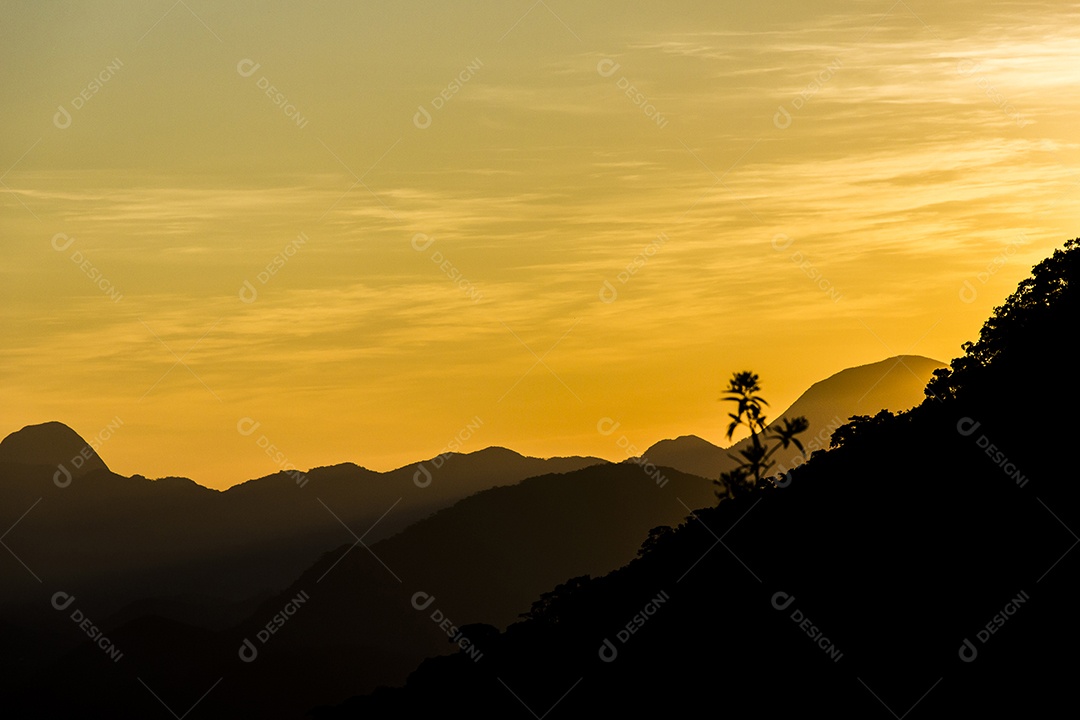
(942, 583)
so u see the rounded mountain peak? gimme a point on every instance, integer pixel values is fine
(51, 443)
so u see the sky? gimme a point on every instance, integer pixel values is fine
(250, 234)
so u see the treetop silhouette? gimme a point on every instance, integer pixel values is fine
(1034, 316)
(754, 461)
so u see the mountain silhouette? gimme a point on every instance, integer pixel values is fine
(894, 548)
(688, 453)
(191, 557)
(254, 538)
(124, 539)
(942, 578)
(51, 444)
(893, 384)
(483, 560)
(141, 554)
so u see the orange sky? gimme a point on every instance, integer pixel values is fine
(368, 226)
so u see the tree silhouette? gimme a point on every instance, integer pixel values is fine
(755, 460)
(656, 536)
(859, 426)
(547, 609)
(1029, 323)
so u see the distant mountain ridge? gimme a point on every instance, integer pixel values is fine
(182, 562)
(482, 561)
(175, 537)
(172, 536)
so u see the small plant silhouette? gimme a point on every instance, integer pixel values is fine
(755, 460)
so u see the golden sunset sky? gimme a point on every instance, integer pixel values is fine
(524, 216)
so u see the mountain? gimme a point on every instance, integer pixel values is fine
(688, 453)
(173, 537)
(122, 539)
(924, 564)
(893, 384)
(481, 562)
(52, 444)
